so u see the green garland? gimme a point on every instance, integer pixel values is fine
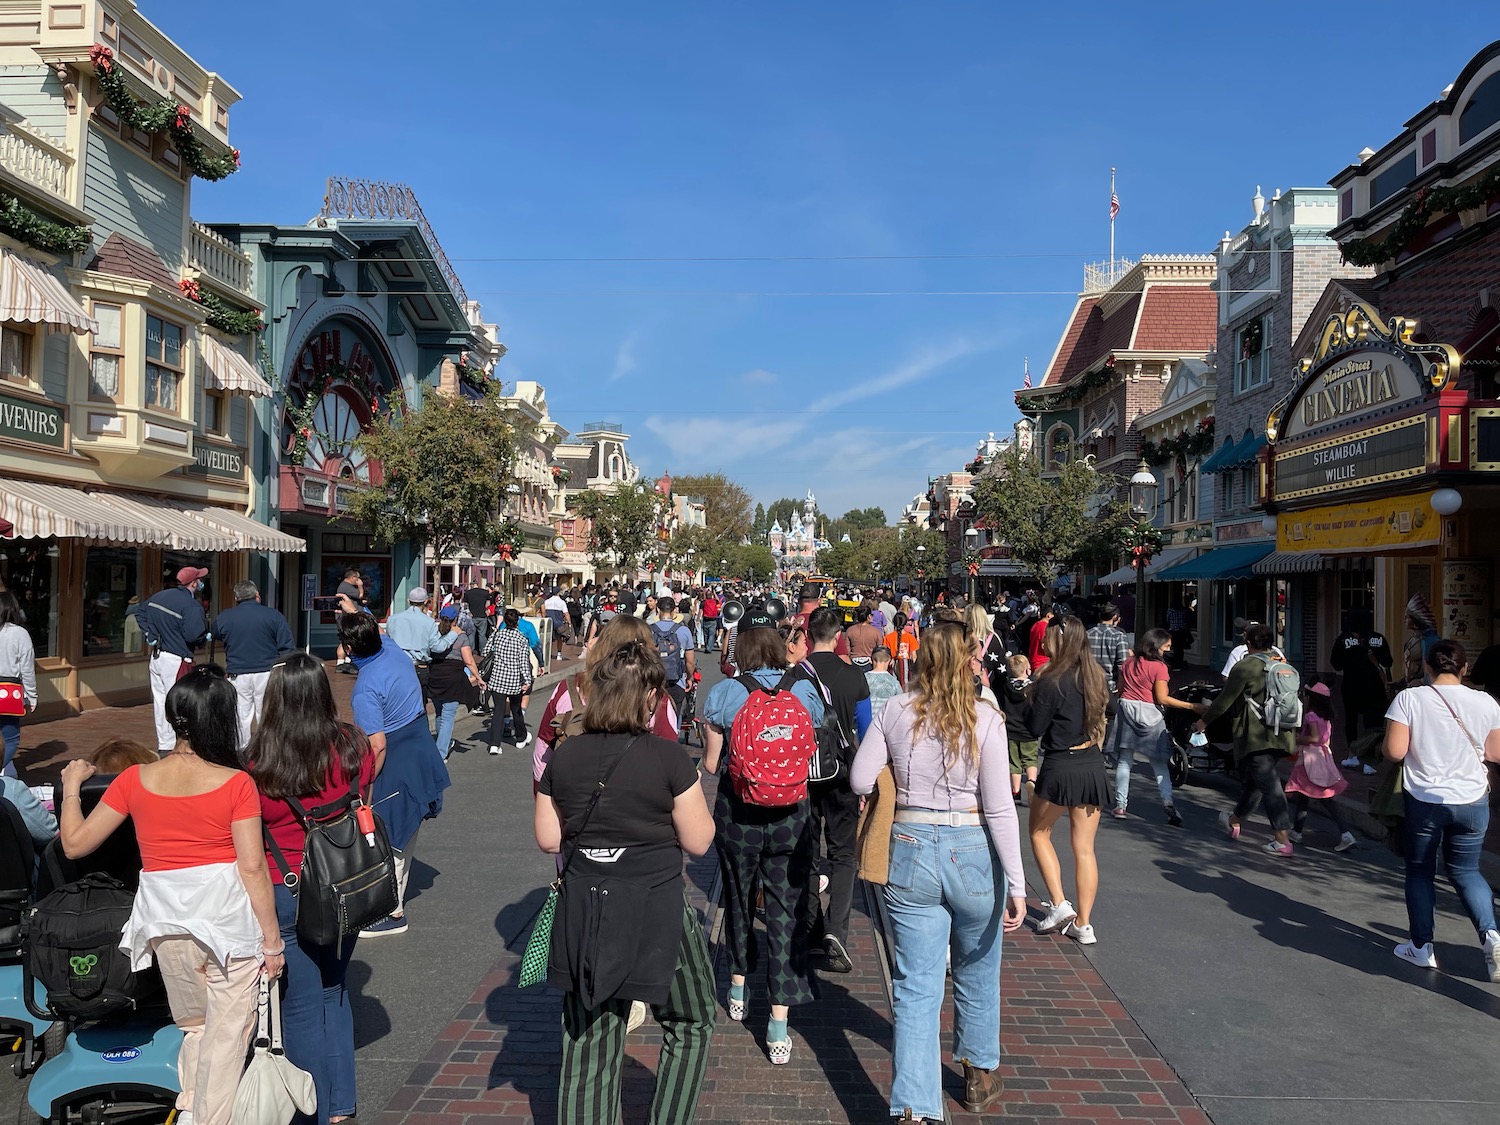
(299, 417)
(221, 314)
(1140, 541)
(1181, 447)
(169, 117)
(1428, 204)
(511, 537)
(1069, 394)
(25, 225)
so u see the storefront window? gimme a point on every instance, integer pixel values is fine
(28, 569)
(376, 574)
(173, 561)
(1356, 587)
(1247, 599)
(111, 596)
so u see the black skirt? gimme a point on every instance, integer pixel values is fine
(1074, 778)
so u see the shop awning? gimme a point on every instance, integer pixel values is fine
(529, 562)
(1170, 557)
(183, 532)
(241, 532)
(30, 293)
(40, 511)
(226, 370)
(1220, 563)
(1218, 460)
(1291, 562)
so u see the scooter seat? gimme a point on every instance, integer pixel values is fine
(129, 1061)
(14, 1018)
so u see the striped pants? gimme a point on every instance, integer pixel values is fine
(593, 1048)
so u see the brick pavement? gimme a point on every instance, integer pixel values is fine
(1070, 1050)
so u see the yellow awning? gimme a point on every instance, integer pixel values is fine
(31, 294)
(226, 370)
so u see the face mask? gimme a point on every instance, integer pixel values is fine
(1197, 738)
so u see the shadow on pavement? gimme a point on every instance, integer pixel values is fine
(513, 923)
(372, 1022)
(530, 1048)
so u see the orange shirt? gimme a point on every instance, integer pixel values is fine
(178, 832)
(903, 645)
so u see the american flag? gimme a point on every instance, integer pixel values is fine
(1114, 205)
(1026, 376)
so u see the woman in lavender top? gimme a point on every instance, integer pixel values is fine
(952, 766)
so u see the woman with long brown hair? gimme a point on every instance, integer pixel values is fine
(951, 763)
(1066, 714)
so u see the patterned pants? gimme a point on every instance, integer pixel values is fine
(776, 854)
(593, 1049)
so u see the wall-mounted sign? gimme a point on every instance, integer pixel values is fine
(26, 420)
(1376, 525)
(1466, 603)
(219, 461)
(1235, 532)
(1386, 453)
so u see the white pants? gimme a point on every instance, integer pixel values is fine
(164, 669)
(250, 687)
(403, 858)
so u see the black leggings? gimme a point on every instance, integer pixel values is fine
(1301, 802)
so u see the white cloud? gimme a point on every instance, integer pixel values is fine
(760, 377)
(625, 361)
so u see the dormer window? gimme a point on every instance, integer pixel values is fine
(1482, 111)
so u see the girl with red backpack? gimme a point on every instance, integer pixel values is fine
(761, 815)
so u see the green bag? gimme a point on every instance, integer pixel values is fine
(539, 945)
(1388, 806)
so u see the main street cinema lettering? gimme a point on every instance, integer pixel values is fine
(1348, 388)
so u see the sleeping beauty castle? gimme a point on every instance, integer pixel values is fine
(796, 547)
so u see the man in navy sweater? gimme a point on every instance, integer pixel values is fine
(173, 624)
(255, 636)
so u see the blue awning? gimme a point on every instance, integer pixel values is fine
(1235, 455)
(1218, 460)
(1219, 564)
(1249, 448)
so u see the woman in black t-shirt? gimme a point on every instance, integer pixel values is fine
(622, 806)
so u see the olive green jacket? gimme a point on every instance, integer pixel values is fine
(1247, 681)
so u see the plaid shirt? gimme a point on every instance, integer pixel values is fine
(1109, 648)
(511, 673)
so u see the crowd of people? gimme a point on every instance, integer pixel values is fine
(903, 743)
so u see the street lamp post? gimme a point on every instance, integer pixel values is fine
(1143, 506)
(971, 542)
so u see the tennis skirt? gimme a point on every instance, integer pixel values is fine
(1073, 778)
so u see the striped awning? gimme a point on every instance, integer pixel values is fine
(252, 536)
(1291, 562)
(529, 562)
(226, 370)
(1170, 557)
(31, 294)
(184, 533)
(206, 523)
(40, 511)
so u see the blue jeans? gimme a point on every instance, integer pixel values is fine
(1458, 832)
(710, 633)
(317, 1024)
(447, 714)
(1162, 766)
(942, 892)
(10, 730)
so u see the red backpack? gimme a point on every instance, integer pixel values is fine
(770, 744)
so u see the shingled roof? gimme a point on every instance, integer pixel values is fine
(124, 257)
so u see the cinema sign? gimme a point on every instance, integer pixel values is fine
(1355, 417)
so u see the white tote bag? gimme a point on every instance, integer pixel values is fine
(272, 1089)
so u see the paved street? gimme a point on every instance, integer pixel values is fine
(1226, 986)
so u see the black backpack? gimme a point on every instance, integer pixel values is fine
(835, 747)
(346, 881)
(73, 948)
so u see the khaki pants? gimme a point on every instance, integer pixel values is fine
(215, 1008)
(403, 858)
(250, 693)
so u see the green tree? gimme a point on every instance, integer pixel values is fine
(746, 559)
(1048, 521)
(863, 519)
(622, 524)
(760, 525)
(780, 511)
(726, 503)
(445, 468)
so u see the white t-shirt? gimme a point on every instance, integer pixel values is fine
(1442, 766)
(1239, 652)
(555, 604)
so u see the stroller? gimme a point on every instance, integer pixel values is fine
(1217, 755)
(117, 1070)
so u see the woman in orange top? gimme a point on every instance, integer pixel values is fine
(205, 909)
(903, 643)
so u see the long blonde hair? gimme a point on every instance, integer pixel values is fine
(944, 686)
(978, 623)
(1066, 642)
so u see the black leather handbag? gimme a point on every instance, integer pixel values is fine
(348, 876)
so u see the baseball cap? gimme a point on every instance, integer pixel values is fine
(756, 618)
(190, 574)
(449, 613)
(665, 603)
(1321, 688)
(418, 595)
(809, 593)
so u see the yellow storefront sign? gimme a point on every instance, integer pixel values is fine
(1371, 526)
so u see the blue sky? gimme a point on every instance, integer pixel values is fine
(891, 157)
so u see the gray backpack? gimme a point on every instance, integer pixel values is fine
(1280, 709)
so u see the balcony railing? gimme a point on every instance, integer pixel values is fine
(34, 158)
(218, 260)
(1099, 276)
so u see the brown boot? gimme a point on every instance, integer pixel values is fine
(982, 1088)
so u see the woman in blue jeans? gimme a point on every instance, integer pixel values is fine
(302, 752)
(452, 676)
(954, 815)
(1442, 734)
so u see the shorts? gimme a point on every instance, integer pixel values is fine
(1024, 755)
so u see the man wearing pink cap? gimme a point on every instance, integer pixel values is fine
(173, 625)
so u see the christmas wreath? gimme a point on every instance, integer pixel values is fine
(300, 416)
(1140, 541)
(165, 117)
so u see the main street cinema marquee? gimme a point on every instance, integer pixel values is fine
(1360, 414)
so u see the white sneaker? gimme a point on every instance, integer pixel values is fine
(522, 744)
(1418, 955)
(1350, 763)
(1057, 917)
(1492, 954)
(637, 1016)
(1083, 935)
(1346, 841)
(496, 751)
(822, 883)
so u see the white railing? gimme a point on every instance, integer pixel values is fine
(35, 158)
(1099, 276)
(215, 257)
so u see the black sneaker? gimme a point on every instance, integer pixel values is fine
(837, 955)
(1173, 817)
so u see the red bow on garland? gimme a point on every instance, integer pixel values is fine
(102, 58)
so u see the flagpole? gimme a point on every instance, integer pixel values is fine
(1111, 223)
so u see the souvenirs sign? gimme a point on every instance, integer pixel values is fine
(24, 419)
